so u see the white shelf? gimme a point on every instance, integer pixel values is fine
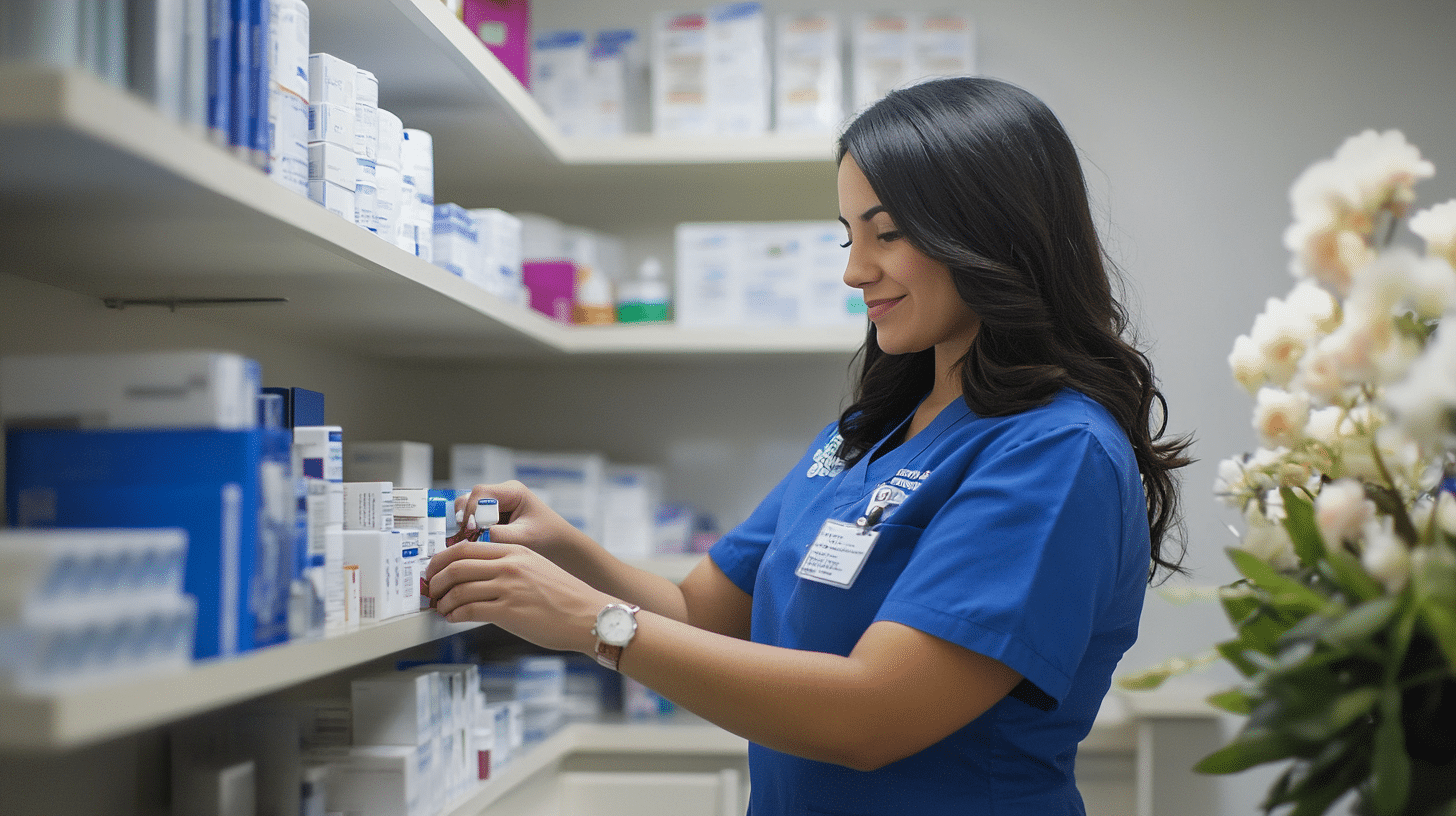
(695, 738)
(74, 718)
(110, 199)
(87, 715)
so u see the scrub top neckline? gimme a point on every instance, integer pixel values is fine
(857, 479)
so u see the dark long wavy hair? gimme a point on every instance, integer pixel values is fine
(979, 175)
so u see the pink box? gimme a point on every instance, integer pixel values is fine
(505, 28)
(552, 285)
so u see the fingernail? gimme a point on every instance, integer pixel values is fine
(470, 523)
(459, 516)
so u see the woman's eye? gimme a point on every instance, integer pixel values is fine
(892, 235)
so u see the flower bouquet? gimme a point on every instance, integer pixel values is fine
(1345, 616)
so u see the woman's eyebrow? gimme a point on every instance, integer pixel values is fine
(872, 212)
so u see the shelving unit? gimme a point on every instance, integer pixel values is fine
(104, 200)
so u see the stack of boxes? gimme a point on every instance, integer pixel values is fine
(757, 274)
(332, 170)
(289, 95)
(84, 606)
(318, 461)
(366, 149)
(162, 440)
(417, 210)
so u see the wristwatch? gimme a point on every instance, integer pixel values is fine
(616, 624)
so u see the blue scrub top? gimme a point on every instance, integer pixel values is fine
(1024, 538)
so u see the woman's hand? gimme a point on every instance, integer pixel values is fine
(517, 589)
(525, 519)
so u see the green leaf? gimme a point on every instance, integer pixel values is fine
(1287, 594)
(1299, 522)
(1390, 785)
(1363, 622)
(1339, 766)
(1239, 600)
(1434, 577)
(1250, 748)
(1233, 652)
(1234, 701)
(1344, 570)
(1324, 725)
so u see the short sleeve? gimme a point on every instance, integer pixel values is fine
(1021, 558)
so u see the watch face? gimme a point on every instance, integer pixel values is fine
(615, 626)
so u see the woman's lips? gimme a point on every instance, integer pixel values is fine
(878, 308)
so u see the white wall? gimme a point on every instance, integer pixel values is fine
(1194, 117)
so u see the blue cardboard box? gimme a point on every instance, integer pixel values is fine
(230, 490)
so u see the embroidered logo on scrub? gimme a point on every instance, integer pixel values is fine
(826, 459)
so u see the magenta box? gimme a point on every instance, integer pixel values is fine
(505, 28)
(552, 285)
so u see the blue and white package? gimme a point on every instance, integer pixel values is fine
(220, 71)
(457, 241)
(229, 490)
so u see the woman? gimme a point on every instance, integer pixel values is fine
(924, 615)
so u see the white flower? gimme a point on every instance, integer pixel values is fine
(1446, 513)
(1425, 399)
(1267, 540)
(1385, 557)
(1437, 227)
(1317, 306)
(1247, 363)
(1341, 510)
(1382, 167)
(1432, 287)
(1230, 484)
(1280, 416)
(1335, 204)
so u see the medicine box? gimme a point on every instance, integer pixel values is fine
(457, 241)
(630, 498)
(396, 708)
(406, 464)
(679, 49)
(290, 47)
(300, 406)
(945, 45)
(473, 464)
(332, 163)
(559, 79)
(574, 482)
(318, 452)
(551, 288)
(43, 569)
(500, 253)
(709, 285)
(505, 28)
(97, 641)
(213, 484)
(331, 81)
(616, 97)
(738, 69)
(288, 140)
(375, 556)
(331, 123)
(368, 506)
(882, 55)
(182, 389)
(808, 73)
(337, 200)
(380, 780)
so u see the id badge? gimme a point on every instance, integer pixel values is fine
(838, 554)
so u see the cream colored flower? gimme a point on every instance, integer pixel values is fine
(1247, 363)
(1266, 539)
(1446, 513)
(1437, 227)
(1425, 400)
(1341, 510)
(1385, 556)
(1280, 416)
(1336, 203)
(1281, 337)
(1315, 304)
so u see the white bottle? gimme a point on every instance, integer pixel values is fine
(644, 299)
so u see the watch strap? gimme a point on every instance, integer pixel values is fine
(609, 655)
